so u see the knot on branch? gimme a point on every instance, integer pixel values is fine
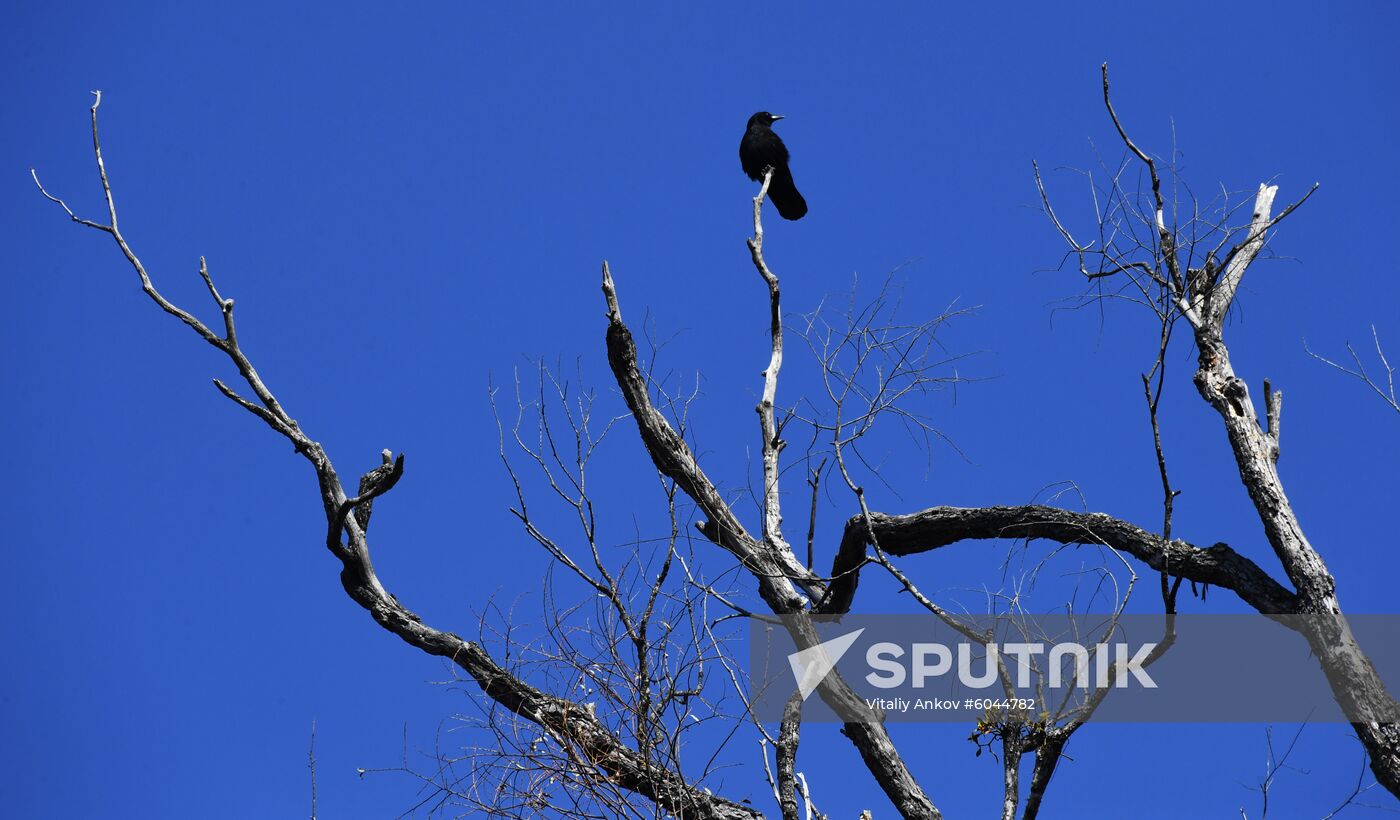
(373, 484)
(1236, 392)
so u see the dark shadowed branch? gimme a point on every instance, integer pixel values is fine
(936, 527)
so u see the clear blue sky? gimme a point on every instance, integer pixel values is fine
(407, 200)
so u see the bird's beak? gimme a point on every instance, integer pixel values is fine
(776, 117)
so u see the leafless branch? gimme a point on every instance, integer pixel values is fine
(1386, 391)
(788, 736)
(311, 764)
(772, 444)
(813, 481)
(937, 527)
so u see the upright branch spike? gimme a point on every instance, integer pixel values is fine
(375, 483)
(770, 429)
(610, 294)
(1273, 410)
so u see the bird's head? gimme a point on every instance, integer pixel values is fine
(763, 118)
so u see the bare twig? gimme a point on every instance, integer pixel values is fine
(813, 481)
(1386, 391)
(311, 764)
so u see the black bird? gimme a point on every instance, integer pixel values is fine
(761, 149)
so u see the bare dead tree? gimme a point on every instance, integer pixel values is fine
(588, 718)
(1188, 264)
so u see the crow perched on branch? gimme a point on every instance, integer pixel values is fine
(761, 149)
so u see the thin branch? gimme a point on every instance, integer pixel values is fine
(813, 481)
(1386, 392)
(1164, 234)
(311, 764)
(772, 443)
(50, 197)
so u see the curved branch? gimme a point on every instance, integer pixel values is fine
(937, 527)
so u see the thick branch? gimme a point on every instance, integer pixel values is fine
(775, 569)
(940, 526)
(1355, 684)
(1204, 298)
(788, 735)
(1241, 256)
(571, 722)
(1046, 759)
(1012, 744)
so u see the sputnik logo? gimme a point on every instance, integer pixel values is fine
(811, 666)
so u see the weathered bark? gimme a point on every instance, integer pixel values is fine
(936, 527)
(774, 569)
(1011, 746)
(1046, 759)
(789, 732)
(1354, 681)
(1203, 297)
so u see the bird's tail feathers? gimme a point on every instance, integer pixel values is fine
(785, 197)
